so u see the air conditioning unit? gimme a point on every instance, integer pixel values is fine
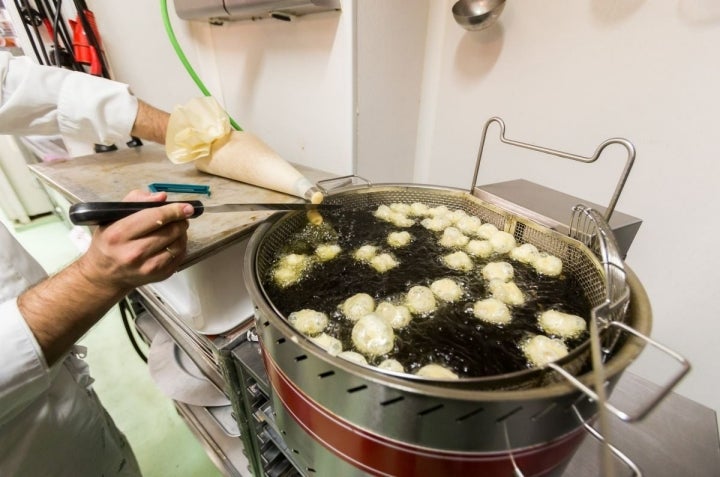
(219, 11)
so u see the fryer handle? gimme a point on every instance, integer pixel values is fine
(588, 160)
(603, 441)
(651, 403)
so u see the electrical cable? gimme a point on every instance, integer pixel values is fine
(183, 58)
(59, 31)
(56, 42)
(38, 36)
(26, 17)
(124, 313)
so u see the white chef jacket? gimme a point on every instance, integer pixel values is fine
(51, 422)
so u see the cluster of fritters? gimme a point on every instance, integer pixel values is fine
(466, 239)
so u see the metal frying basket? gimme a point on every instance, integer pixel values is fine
(368, 420)
(577, 259)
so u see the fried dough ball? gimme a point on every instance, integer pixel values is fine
(400, 220)
(458, 261)
(308, 322)
(457, 215)
(507, 292)
(502, 242)
(435, 371)
(332, 345)
(541, 350)
(373, 336)
(439, 211)
(383, 262)
(397, 316)
(399, 239)
(290, 269)
(447, 289)
(294, 260)
(485, 231)
(392, 365)
(453, 238)
(400, 208)
(418, 209)
(469, 225)
(326, 252)
(286, 276)
(365, 253)
(353, 356)
(492, 310)
(436, 224)
(358, 306)
(420, 300)
(383, 212)
(479, 248)
(314, 217)
(546, 264)
(498, 271)
(561, 324)
(525, 253)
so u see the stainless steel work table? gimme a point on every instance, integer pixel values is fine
(679, 438)
(111, 175)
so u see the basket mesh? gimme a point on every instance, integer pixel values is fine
(577, 259)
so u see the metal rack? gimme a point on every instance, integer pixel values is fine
(275, 458)
(219, 430)
(243, 440)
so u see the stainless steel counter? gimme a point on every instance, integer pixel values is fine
(110, 176)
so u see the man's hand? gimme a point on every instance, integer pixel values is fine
(144, 247)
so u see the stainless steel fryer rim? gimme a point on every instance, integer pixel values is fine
(574, 253)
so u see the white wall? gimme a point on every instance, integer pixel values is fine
(390, 58)
(568, 74)
(290, 83)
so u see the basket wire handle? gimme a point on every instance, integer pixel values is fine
(341, 181)
(616, 452)
(588, 160)
(589, 227)
(516, 470)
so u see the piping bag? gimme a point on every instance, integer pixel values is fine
(200, 131)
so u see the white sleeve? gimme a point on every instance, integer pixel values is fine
(24, 373)
(44, 100)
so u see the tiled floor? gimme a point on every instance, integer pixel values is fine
(161, 440)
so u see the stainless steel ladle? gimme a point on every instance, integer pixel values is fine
(477, 14)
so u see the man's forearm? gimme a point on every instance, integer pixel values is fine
(60, 309)
(150, 123)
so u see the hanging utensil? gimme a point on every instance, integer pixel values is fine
(477, 14)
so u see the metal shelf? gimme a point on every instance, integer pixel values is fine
(216, 428)
(226, 452)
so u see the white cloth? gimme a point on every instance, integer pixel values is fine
(51, 422)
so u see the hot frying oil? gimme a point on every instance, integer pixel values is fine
(451, 335)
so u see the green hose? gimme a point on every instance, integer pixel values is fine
(183, 58)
